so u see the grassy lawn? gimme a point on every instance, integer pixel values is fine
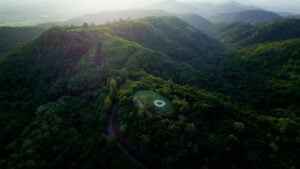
(147, 98)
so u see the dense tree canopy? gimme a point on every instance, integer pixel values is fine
(68, 99)
(11, 37)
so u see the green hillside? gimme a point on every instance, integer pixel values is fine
(84, 97)
(264, 68)
(169, 35)
(265, 74)
(205, 130)
(11, 37)
(105, 17)
(243, 34)
(247, 16)
(198, 22)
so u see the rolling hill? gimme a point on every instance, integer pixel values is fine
(198, 22)
(218, 8)
(270, 72)
(249, 16)
(174, 6)
(11, 37)
(262, 60)
(111, 16)
(188, 44)
(243, 34)
(295, 16)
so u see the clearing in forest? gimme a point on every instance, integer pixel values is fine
(152, 101)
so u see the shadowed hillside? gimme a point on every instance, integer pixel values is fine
(11, 37)
(243, 34)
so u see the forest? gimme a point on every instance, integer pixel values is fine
(81, 97)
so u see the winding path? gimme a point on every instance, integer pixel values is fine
(112, 132)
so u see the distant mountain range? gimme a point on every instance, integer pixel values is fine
(204, 9)
(210, 11)
(110, 16)
(231, 11)
(245, 34)
(227, 7)
(173, 6)
(295, 16)
(249, 16)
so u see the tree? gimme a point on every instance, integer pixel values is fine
(107, 103)
(113, 88)
(85, 25)
(124, 74)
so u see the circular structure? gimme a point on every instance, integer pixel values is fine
(152, 102)
(159, 103)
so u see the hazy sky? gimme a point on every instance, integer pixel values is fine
(94, 5)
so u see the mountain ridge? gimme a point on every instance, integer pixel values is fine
(226, 7)
(101, 18)
(249, 16)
